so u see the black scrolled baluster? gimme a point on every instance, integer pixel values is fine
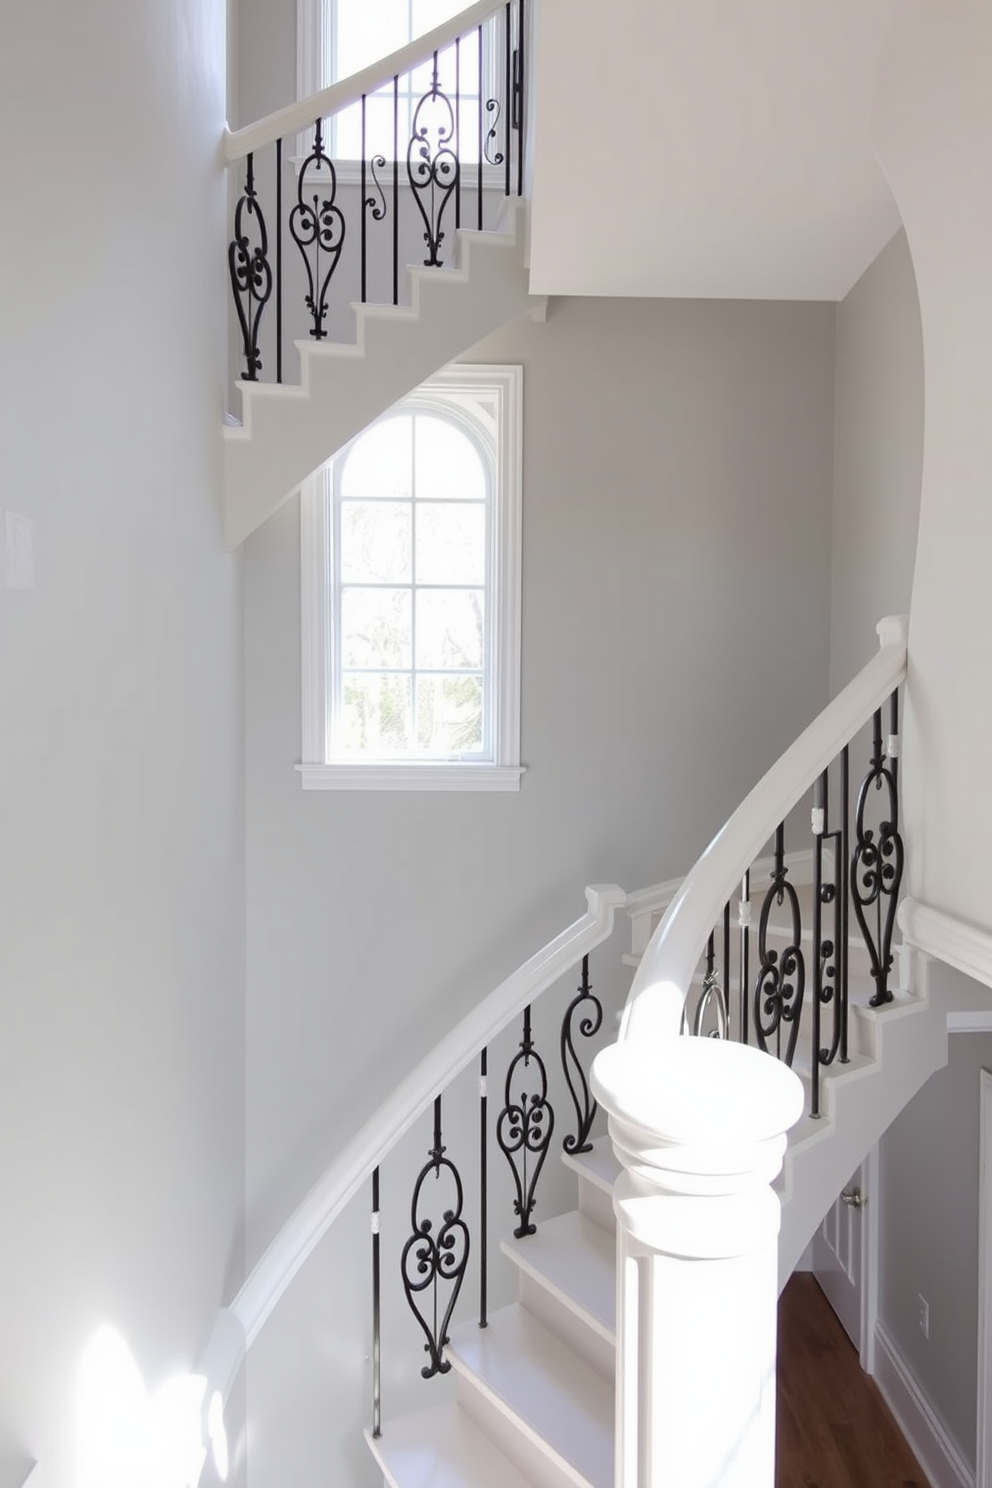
(484, 1189)
(589, 1010)
(373, 201)
(250, 270)
(376, 1312)
(317, 227)
(828, 945)
(434, 1261)
(520, 84)
(744, 923)
(432, 165)
(525, 1126)
(494, 156)
(780, 985)
(877, 861)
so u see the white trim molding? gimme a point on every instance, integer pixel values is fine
(938, 1454)
(983, 1466)
(947, 938)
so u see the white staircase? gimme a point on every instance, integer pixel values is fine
(535, 1389)
(287, 431)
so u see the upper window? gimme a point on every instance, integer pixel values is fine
(411, 593)
(337, 38)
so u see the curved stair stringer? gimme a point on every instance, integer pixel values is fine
(289, 431)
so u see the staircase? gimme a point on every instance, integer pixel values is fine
(535, 1388)
(287, 432)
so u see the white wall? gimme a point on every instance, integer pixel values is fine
(933, 130)
(878, 456)
(122, 863)
(929, 1232)
(676, 620)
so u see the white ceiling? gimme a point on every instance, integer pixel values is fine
(707, 148)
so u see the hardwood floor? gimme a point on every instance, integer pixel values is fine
(834, 1428)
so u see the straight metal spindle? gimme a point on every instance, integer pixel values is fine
(396, 189)
(819, 823)
(363, 208)
(278, 260)
(521, 32)
(843, 888)
(458, 132)
(893, 754)
(725, 977)
(744, 920)
(484, 1190)
(376, 1320)
(508, 97)
(481, 144)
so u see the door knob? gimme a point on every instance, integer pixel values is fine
(853, 1198)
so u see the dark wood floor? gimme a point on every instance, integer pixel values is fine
(834, 1428)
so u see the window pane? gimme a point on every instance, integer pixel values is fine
(375, 542)
(448, 465)
(376, 714)
(375, 628)
(450, 543)
(369, 30)
(430, 13)
(380, 462)
(449, 714)
(449, 628)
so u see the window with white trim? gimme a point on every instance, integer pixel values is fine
(411, 594)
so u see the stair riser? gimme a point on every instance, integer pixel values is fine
(588, 1345)
(528, 1454)
(597, 1205)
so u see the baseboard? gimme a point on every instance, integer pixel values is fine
(937, 1453)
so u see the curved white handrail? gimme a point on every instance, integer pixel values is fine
(238, 1326)
(657, 993)
(297, 116)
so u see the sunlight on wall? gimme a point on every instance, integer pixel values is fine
(126, 1439)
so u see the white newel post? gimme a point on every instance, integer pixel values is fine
(699, 1125)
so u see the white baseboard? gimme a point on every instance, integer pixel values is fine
(938, 1455)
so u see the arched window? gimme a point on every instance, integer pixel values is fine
(411, 575)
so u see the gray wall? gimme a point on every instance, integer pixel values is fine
(929, 1231)
(677, 469)
(878, 455)
(121, 813)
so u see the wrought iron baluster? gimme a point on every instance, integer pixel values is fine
(373, 202)
(524, 1128)
(818, 823)
(432, 165)
(484, 1189)
(396, 189)
(877, 864)
(481, 145)
(744, 985)
(458, 130)
(519, 123)
(278, 260)
(712, 993)
(250, 271)
(317, 227)
(828, 950)
(507, 96)
(725, 979)
(781, 981)
(432, 1261)
(589, 1009)
(844, 899)
(376, 1313)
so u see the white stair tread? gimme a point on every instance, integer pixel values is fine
(599, 1166)
(441, 1448)
(575, 1260)
(538, 1380)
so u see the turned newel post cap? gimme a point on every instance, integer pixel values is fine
(697, 1106)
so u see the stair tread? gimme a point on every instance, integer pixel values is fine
(574, 1258)
(441, 1448)
(599, 1166)
(560, 1401)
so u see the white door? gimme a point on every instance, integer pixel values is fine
(841, 1258)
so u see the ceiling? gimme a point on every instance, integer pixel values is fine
(707, 148)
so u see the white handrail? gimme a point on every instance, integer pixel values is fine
(238, 1326)
(657, 993)
(297, 116)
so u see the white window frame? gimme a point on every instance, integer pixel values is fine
(458, 386)
(315, 32)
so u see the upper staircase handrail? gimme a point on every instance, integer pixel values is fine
(330, 100)
(238, 1325)
(657, 994)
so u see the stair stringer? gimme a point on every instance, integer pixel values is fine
(289, 431)
(859, 1103)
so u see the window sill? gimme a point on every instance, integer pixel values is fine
(437, 775)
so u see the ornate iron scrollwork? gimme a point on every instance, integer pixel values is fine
(317, 228)
(877, 864)
(830, 951)
(524, 1128)
(377, 208)
(712, 996)
(494, 157)
(432, 1261)
(590, 1009)
(432, 165)
(781, 982)
(251, 272)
